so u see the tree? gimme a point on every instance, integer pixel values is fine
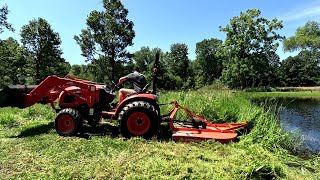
(178, 60)
(305, 38)
(176, 67)
(144, 58)
(250, 40)
(273, 70)
(208, 65)
(12, 60)
(43, 47)
(83, 71)
(105, 39)
(3, 19)
(301, 70)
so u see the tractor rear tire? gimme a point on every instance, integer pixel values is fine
(68, 122)
(138, 118)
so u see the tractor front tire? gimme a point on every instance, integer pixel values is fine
(68, 122)
(138, 118)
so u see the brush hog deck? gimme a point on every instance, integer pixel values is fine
(200, 129)
(222, 135)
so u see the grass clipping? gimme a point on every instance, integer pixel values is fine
(30, 148)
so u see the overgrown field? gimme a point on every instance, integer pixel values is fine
(30, 148)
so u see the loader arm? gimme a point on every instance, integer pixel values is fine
(59, 84)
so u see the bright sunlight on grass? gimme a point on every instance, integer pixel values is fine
(31, 149)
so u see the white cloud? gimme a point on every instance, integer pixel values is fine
(310, 11)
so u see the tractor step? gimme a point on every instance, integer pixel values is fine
(13, 95)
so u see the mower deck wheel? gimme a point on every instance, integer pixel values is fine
(68, 122)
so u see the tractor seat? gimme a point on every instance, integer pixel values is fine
(143, 91)
(145, 88)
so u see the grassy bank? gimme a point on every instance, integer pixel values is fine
(30, 148)
(297, 88)
(287, 94)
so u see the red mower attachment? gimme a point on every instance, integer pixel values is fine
(200, 129)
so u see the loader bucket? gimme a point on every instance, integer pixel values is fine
(13, 95)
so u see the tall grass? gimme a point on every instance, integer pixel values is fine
(225, 106)
(30, 148)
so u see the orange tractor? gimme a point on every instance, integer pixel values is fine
(82, 101)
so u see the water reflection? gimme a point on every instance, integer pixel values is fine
(302, 116)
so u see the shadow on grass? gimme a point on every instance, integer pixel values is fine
(100, 130)
(164, 134)
(87, 132)
(37, 130)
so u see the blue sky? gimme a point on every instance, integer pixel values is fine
(158, 23)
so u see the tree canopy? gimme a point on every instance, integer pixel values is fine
(246, 58)
(250, 39)
(42, 45)
(3, 19)
(301, 70)
(306, 37)
(106, 37)
(178, 60)
(13, 63)
(208, 64)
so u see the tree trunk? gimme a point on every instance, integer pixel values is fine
(37, 71)
(112, 62)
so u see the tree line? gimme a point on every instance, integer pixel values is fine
(246, 58)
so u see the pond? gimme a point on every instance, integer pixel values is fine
(302, 116)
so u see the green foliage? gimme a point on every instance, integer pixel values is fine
(251, 41)
(42, 47)
(259, 89)
(144, 59)
(207, 66)
(301, 70)
(13, 63)
(86, 72)
(306, 37)
(3, 19)
(247, 58)
(104, 41)
(178, 60)
(176, 70)
(7, 120)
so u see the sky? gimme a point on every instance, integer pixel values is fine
(158, 23)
